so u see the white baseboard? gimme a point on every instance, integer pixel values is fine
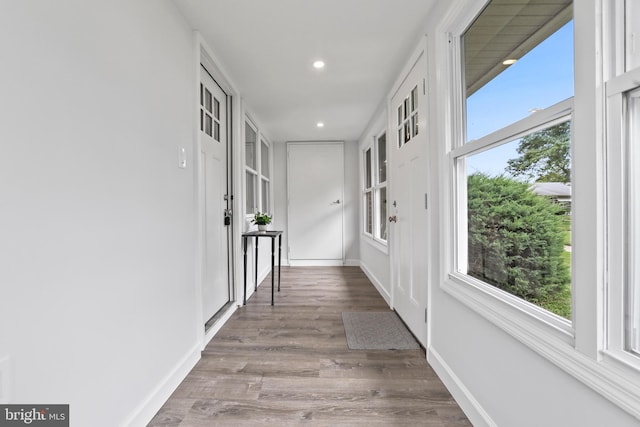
(471, 407)
(215, 328)
(152, 404)
(316, 263)
(385, 294)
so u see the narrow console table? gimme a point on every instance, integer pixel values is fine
(257, 235)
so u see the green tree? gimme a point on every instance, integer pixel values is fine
(545, 156)
(516, 240)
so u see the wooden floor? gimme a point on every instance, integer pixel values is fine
(290, 365)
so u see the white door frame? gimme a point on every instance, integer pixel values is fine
(314, 262)
(205, 57)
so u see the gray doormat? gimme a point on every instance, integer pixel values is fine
(368, 330)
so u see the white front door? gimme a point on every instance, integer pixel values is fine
(213, 165)
(315, 192)
(408, 214)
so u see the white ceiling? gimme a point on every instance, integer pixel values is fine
(267, 48)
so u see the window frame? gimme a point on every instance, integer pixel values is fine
(367, 191)
(374, 189)
(379, 185)
(582, 353)
(508, 305)
(265, 177)
(257, 173)
(621, 81)
(249, 170)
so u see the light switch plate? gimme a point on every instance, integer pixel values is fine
(182, 157)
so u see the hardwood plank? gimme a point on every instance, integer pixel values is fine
(289, 364)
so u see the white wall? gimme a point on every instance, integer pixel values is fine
(375, 264)
(510, 383)
(97, 303)
(280, 195)
(351, 204)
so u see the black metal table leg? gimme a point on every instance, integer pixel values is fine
(245, 244)
(256, 270)
(279, 259)
(273, 256)
(244, 248)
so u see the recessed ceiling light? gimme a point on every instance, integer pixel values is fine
(509, 61)
(320, 124)
(318, 64)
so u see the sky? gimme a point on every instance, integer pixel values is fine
(540, 79)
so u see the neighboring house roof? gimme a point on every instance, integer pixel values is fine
(559, 190)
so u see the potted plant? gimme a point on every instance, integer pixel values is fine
(261, 220)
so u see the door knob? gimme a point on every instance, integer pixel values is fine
(393, 218)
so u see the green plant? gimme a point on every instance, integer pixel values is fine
(261, 219)
(516, 241)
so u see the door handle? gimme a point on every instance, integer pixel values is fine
(337, 202)
(393, 218)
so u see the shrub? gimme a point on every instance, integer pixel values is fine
(516, 240)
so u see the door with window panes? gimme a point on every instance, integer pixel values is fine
(213, 158)
(408, 219)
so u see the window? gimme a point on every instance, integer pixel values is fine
(375, 189)
(368, 193)
(408, 118)
(209, 116)
(251, 173)
(632, 304)
(257, 171)
(264, 177)
(597, 341)
(513, 167)
(381, 187)
(623, 189)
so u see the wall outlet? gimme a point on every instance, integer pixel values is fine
(5, 380)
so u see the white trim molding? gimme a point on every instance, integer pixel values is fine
(463, 396)
(376, 282)
(161, 393)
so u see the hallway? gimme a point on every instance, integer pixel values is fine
(290, 365)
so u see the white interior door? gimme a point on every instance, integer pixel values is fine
(407, 209)
(213, 146)
(315, 194)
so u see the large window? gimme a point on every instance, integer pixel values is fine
(623, 192)
(513, 167)
(375, 189)
(632, 303)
